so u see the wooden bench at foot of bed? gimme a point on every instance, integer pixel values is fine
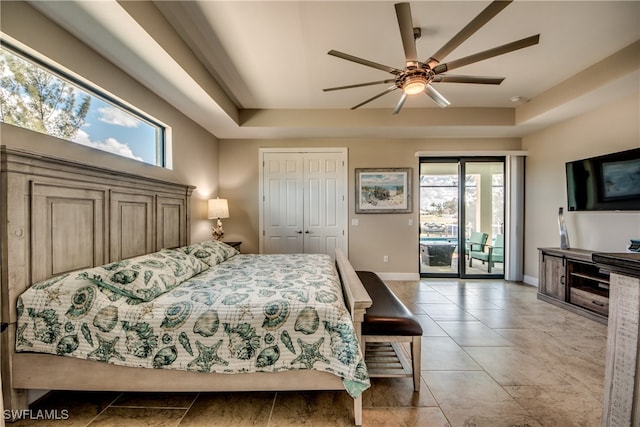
(387, 323)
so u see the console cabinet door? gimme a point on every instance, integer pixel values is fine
(552, 274)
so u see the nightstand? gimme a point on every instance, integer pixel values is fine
(235, 245)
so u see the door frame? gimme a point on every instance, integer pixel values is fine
(343, 151)
(462, 161)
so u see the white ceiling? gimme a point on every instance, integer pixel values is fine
(271, 56)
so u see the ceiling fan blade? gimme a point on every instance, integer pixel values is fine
(490, 53)
(405, 23)
(364, 62)
(375, 97)
(435, 95)
(485, 16)
(359, 85)
(448, 78)
(400, 103)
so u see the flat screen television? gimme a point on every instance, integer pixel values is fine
(605, 183)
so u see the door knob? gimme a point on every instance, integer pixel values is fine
(299, 231)
(308, 232)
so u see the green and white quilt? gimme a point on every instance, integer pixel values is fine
(185, 309)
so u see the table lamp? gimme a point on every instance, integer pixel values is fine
(218, 208)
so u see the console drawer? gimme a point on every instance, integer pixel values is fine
(590, 301)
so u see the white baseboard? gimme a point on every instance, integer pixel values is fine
(530, 280)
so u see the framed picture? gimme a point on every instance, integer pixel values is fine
(383, 190)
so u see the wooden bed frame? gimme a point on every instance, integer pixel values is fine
(57, 216)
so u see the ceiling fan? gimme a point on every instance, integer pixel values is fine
(416, 77)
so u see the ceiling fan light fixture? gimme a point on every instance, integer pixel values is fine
(414, 85)
(416, 76)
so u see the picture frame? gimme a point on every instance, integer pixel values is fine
(383, 190)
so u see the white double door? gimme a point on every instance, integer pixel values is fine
(304, 207)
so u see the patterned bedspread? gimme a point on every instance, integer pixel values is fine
(249, 313)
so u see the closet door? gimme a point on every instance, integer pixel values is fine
(304, 202)
(283, 203)
(323, 202)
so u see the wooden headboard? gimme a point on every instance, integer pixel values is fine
(58, 215)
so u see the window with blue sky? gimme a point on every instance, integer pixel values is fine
(45, 100)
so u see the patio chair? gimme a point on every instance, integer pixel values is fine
(476, 242)
(495, 253)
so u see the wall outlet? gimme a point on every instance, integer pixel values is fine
(385, 258)
(355, 221)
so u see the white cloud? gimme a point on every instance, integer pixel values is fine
(111, 145)
(115, 116)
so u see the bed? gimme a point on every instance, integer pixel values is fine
(69, 222)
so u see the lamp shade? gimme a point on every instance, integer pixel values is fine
(218, 208)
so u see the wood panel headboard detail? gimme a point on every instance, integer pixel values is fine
(58, 215)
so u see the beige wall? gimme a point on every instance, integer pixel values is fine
(229, 168)
(377, 234)
(194, 149)
(613, 127)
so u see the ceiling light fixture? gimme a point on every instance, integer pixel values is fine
(414, 84)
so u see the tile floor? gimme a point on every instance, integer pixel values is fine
(492, 355)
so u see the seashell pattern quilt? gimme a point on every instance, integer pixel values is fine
(247, 313)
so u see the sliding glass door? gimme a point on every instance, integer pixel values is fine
(462, 217)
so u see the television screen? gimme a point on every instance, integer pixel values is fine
(604, 183)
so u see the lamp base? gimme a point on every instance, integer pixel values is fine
(217, 232)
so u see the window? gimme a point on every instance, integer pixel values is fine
(38, 97)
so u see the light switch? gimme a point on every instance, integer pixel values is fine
(355, 221)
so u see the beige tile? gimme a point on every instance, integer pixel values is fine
(431, 297)
(453, 288)
(498, 318)
(312, 409)
(415, 308)
(499, 291)
(473, 301)
(411, 291)
(554, 322)
(138, 417)
(156, 400)
(473, 398)
(403, 417)
(573, 365)
(443, 354)
(562, 406)
(446, 312)
(591, 348)
(512, 366)
(72, 408)
(473, 334)
(396, 392)
(429, 326)
(227, 409)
